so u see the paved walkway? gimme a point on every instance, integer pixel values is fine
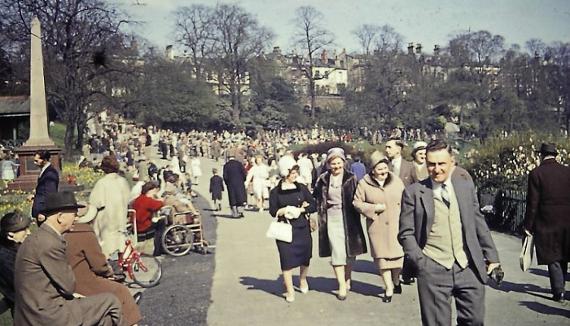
(247, 285)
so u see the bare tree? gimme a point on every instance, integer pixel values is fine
(476, 48)
(311, 37)
(388, 40)
(239, 38)
(194, 29)
(486, 47)
(78, 38)
(535, 47)
(366, 35)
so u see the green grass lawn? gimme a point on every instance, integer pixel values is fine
(57, 134)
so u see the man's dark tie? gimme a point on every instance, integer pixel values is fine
(445, 195)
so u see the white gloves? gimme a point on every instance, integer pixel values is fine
(293, 212)
(379, 208)
(290, 212)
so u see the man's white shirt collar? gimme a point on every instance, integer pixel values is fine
(397, 161)
(44, 168)
(436, 186)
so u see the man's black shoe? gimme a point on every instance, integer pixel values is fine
(559, 297)
(137, 296)
(408, 281)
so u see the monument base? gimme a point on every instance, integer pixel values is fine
(29, 172)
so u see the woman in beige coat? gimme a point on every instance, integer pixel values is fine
(111, 192)
(378, 197)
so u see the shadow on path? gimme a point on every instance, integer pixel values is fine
(546, 310)
(539, 272)
(527, 288)
(365, 266)
(318, 284)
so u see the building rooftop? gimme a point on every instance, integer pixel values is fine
(14, 106)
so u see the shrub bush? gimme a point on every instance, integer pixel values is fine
(504, 163)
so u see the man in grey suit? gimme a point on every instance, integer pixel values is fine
(402, 168)
(44, 281)
(447, 239)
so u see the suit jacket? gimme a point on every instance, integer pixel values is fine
(44, 281)
(417, 216)
(407, 172)
(548, 211)
(48, 182)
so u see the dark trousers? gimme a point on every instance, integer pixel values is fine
(237, 211)
(158, 231)
(557, 272)
(408, 270)
(436, 286)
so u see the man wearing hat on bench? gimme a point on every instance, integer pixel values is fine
(44, 281)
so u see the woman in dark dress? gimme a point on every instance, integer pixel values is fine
(292, 201)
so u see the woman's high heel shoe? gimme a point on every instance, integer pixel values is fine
(387, 298)
(289, 297)
(398, 289)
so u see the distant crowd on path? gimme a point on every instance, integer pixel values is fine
(422, 216)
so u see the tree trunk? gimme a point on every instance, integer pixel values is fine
(81, 125)
(235, 106)
(68, 139)
(313, 96)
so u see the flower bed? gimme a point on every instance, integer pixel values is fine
(504, 163)
(72, 174)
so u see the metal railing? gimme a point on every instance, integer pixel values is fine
(504, 209)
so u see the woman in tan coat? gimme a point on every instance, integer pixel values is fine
(92, 273)
(378, 197)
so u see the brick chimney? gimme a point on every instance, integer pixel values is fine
(436, 50)
(169, 53)
(410, 48)
(134, 44)
(324, 57)
(419, 48)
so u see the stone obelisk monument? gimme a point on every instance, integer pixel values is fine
(39, 135)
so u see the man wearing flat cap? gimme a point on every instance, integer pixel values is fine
(548, 217)
(44, 281)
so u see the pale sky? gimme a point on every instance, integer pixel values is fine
(420, 21)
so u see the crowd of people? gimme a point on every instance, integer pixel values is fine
(421, 216)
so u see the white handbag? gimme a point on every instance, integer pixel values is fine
(282, 231)
(525, 258)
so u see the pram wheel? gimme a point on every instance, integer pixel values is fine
(177, 240)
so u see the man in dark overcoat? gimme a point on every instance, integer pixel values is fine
(548, 217)
(234, 176)
(447, 240)
(44, 281)
(48, 181)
